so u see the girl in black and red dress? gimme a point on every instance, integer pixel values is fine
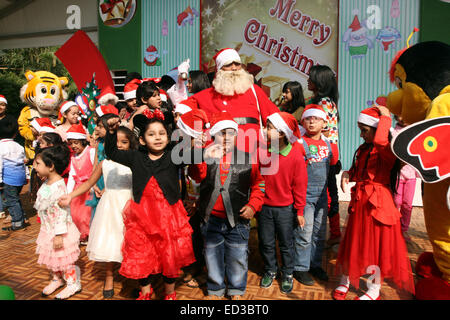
(157, 230)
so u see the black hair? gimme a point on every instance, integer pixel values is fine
(325, 82)
(132, 75)
(52, 138)
(84, 142)
(130, 136)
(58, 156)
(200, 80)
(211, 76)
(8, 127)
(145, 90)
(166, 82)
(104, 119)
(120, 105)
(298, 100)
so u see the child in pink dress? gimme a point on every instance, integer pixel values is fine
(58, 240)
(81, 167)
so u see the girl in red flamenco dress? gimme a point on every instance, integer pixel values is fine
(157, 236)
(373, 239)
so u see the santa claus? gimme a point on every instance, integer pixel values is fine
(233, 90)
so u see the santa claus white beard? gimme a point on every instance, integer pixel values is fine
(229, 83)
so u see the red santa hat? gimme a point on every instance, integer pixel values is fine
(193, 122)
(185, 106)
(129, 91)
(222, 120)
(109, 108)
(42, 125)
(3, 99)
(369, 117)
(163, 95)
(108, 96)
(226, 56)
(314, 110)
(286, 123)
(77, 131)
(64, 107)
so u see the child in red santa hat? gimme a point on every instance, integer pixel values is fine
(284, 200)
(69, 114)
(231, 192)
(81, 166)
(310, 239)
(373, 241)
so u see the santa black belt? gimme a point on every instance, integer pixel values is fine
(246, 120)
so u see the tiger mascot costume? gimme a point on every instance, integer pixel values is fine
(43, 94)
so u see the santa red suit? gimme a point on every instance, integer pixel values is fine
(235, 92)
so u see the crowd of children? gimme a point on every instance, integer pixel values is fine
(122, 191)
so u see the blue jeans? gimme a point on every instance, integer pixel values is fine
(226, 254)
(310, 242)
(13, 204)
(277, 223)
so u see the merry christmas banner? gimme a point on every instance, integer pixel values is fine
(278, 40)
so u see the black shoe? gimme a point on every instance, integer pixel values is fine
(304, 278)
(319, 273)
(108, 294)
(287, 284)
(12, 228)
(267, 279)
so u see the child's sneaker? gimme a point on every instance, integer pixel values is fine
(287, 284)
(267, 279)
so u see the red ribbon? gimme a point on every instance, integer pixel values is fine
(155, 114)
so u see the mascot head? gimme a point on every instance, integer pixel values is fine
(44, 91)
(422, 76)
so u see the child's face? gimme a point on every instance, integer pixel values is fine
(272, 133)
(122, 141)
(41, 169)
(154, 102)
(176, 116)
(42, 143)
(189, 85)
(226, 138)
(132, 104)
(2, 108)
(367, 133)
(155, 138)
(72, 115)
(76, 145)
(287, 95)
(100, 130)
(313, 125)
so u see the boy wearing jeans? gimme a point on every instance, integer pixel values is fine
(284, 199)
(231, 191)
(310, 240)
(12, 172)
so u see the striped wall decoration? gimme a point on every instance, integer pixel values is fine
(364, 79)
(174, 43)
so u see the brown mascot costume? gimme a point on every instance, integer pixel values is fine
(422, 76)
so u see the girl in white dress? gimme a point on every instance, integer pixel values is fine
(107, 228)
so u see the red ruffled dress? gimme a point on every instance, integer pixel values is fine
(157, 236)
(373, 234)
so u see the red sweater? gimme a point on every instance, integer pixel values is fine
(198, 173)
(289, 182)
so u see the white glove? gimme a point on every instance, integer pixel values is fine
(184, 66)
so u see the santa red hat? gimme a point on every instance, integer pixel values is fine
(66, 105)
(108, 96)
(42, 125)
(77, 131)
(226, 56)
(163, 95)
(193, 122)
(102, 110)
(369, 117)
(314, 110)
(185, 106)
(286, 123)
(222, 120)
(129, 91)
(3, 99)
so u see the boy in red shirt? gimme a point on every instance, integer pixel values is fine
(231, 192)
(310, 240)
(284, 200)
